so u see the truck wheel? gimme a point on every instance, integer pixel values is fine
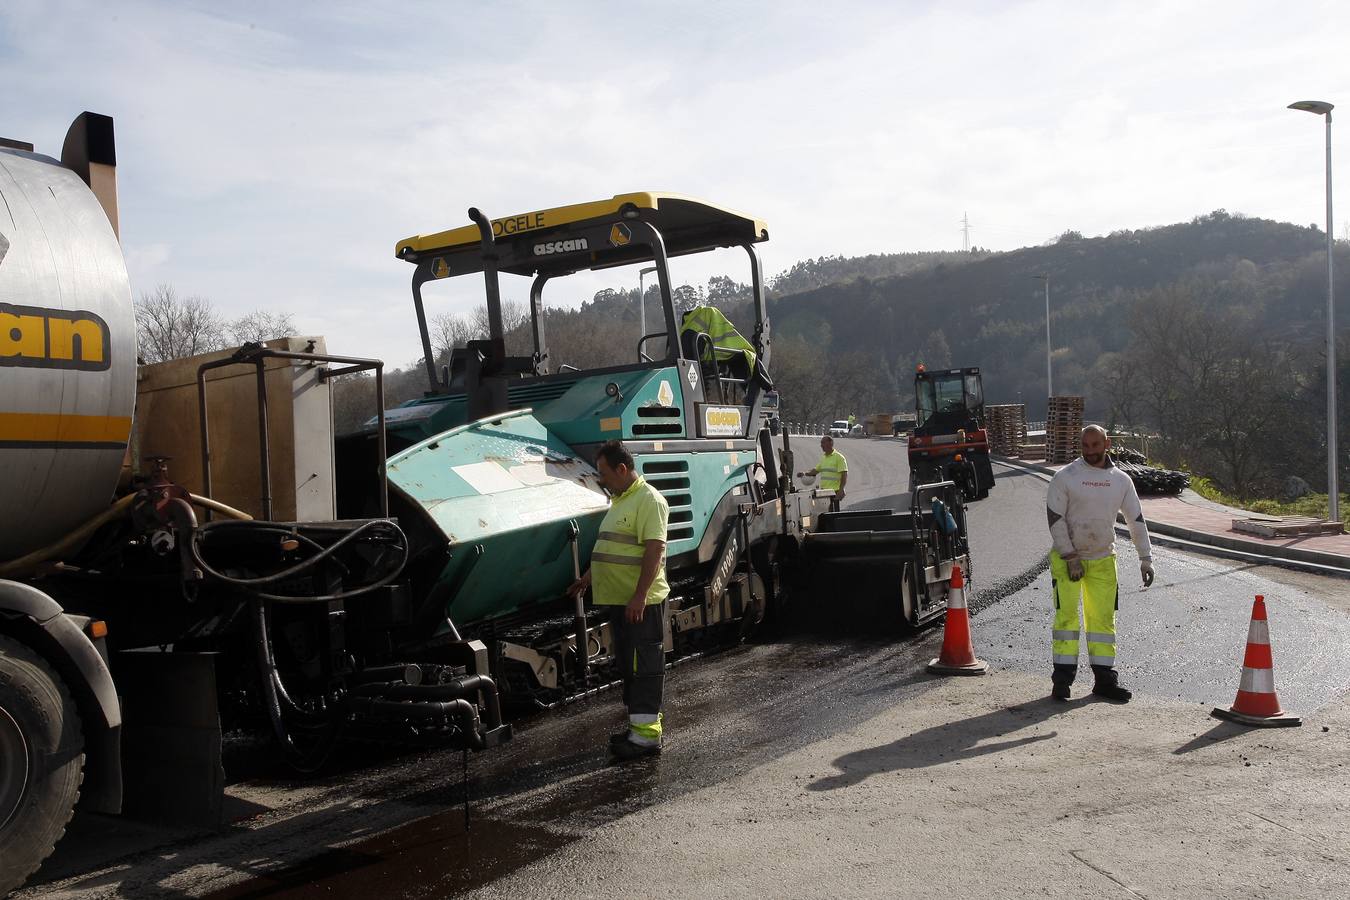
(41, 761)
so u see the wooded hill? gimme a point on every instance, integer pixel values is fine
(990, 312)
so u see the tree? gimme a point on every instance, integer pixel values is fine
(260, 325)
(171, 327)
(1215, 384)
(1122, 383)
(936, 353)
(686, 297)
(723, 292)
(449, 331)
(513, 314)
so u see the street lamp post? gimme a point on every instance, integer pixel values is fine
(1322, 108)
(642, 305)
(1049, 381)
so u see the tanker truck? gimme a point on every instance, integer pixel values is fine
(188, 549)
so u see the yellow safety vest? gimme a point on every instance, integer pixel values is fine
(829, 468)
(727, 341)
(636, 516)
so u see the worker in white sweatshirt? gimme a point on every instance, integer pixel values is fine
(1081, 506)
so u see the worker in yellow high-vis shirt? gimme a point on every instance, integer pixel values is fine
(833, 472)
(627, 573)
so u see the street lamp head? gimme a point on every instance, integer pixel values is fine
(647, 271)
(1316, 107)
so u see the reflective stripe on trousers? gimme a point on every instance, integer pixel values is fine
(644, 729)
(1099, 592)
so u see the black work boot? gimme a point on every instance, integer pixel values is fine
(626, 750)
(1061, 679)
(1108, 686)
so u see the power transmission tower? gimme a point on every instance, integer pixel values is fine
(965, 232)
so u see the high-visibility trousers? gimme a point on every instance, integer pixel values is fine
(641, 654)
(1099, 592)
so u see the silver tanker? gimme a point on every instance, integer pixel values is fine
(67, 342)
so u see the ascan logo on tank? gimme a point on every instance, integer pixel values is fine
(39, 338)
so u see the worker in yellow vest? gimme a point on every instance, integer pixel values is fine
(628, 575)
(833, 472)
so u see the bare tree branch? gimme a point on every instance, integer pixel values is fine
(170, 327)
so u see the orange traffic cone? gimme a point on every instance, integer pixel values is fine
(1256, 703)
(958, 653)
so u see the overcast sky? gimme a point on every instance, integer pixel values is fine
(271, 155)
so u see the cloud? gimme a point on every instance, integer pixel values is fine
(281, 151)
(142, 260)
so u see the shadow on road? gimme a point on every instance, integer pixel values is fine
(1005, 474)
(1220, 732)
(951, 741)
(899, 501)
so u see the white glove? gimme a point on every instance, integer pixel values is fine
(1146, 571)
(1075, 569)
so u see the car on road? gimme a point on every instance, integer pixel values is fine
(839, 428)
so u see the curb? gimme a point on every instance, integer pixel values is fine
(1239, 549)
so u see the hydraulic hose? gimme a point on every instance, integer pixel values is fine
(459, 689)
(388, 528)
(223, 509)
(274, 695)
(462, 710)
(70, 541)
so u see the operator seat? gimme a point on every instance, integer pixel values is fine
(725, 358)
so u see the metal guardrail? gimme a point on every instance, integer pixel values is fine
(814, 429)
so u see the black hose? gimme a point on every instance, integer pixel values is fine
(461, 710)
(273, 691)
(462, 687)
(390, 529)
(303, 565)
(269, 692)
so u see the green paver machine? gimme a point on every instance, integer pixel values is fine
(491, 476)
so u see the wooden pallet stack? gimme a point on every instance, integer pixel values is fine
(1063, 428)
(1007, 427)
(878, 424)
(1034, 448)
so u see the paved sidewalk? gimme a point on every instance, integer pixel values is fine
(1195, 519)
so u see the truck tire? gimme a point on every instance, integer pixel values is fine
(41, 761)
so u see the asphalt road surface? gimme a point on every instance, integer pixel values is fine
(392, 824)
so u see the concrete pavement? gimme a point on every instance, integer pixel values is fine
(984, 787)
